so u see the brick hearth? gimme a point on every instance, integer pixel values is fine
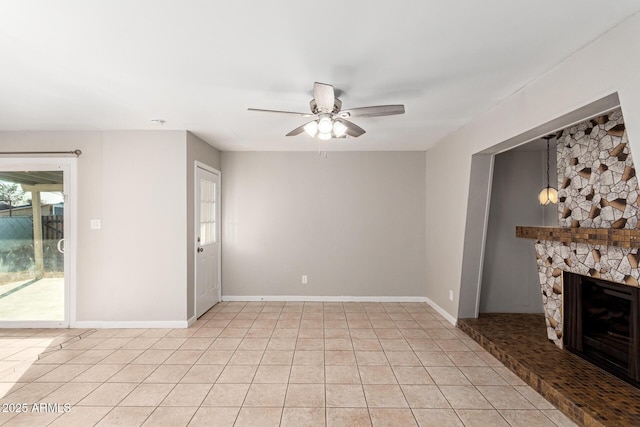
(584, 392)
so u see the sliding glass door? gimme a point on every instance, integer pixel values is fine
(33, 240)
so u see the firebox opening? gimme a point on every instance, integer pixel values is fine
(606, 314)
(602, 324)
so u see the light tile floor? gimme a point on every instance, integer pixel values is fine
(267, 364)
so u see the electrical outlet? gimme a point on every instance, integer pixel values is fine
(304, 280)
(95, 224)
(450, 295)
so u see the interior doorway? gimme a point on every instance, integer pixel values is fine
(510, 282)
(35, 242)
(478, 203)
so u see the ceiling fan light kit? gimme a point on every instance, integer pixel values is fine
(329, 119)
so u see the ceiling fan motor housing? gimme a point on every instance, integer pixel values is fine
(337, 105)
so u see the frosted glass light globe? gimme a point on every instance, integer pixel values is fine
(324, 136)
(311, 128)
(339, 129)
(325, 125)
(548, 195)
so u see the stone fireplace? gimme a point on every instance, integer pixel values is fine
(598, 213)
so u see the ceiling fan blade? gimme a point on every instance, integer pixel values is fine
(325, 97)
(375, 111)
(352, 129)
(280, 112)
(297, 131)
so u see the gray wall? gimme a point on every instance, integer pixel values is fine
(197, 150)
(353, 222)
(133, 269)
(510, 276)
(550, 214)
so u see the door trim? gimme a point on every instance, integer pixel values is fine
(69, 167)
(196, 206)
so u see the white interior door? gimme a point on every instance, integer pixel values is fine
(207, 239)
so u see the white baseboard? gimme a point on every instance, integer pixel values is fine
(142, 324)
(442, 312)
(175, 324)
(302, 298)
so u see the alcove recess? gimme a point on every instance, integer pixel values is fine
(597, 211)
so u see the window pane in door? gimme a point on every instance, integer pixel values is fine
(207, 212)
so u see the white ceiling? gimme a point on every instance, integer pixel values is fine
(198, 64)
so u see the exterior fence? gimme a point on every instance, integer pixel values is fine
(52, 227)
(16, 243)
(21, 228)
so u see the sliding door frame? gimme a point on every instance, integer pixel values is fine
(69, 167)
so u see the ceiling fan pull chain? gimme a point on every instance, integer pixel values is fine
(321, 154)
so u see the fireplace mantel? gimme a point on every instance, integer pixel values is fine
(593, 236)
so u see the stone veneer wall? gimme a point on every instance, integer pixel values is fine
(598, 188)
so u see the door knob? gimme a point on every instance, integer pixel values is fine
(200, 249)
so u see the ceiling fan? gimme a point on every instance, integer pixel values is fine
(329, 118)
